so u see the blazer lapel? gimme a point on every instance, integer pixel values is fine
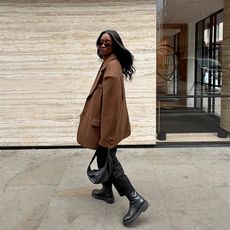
(100, 74)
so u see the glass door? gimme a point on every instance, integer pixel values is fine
(189, 66)
(208, 79)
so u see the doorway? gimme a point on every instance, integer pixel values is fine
(189, 59)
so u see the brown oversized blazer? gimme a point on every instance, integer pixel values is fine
(104, 120)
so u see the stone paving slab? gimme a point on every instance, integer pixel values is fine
(47, 189)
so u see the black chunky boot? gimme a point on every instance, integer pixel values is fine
(137, 205)
(104, 193)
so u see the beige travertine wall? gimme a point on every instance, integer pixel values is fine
(225, 102)
(48, 63)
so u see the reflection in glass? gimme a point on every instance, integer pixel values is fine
(189, 64)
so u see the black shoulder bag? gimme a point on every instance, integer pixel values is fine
(101, 175)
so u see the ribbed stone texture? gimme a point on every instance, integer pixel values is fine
(225, 102)
(48, 63)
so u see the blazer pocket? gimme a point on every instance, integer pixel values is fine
(96, 122)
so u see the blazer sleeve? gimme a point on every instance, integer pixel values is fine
(111, 104)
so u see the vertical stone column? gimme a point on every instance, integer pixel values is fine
(225, 102)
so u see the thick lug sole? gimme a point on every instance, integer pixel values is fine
(108, 200)
(142, 209)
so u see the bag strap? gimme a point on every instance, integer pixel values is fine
(94, 156)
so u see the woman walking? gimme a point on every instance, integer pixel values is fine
(104, 121)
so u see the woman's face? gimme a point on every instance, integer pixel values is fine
(106, 45)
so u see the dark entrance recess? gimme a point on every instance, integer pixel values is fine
(187, 120)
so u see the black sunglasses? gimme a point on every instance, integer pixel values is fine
(105, 44)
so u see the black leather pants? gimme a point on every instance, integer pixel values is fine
(118, 178)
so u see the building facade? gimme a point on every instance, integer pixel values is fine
(48, 63)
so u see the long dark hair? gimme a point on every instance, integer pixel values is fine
(123, 55)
